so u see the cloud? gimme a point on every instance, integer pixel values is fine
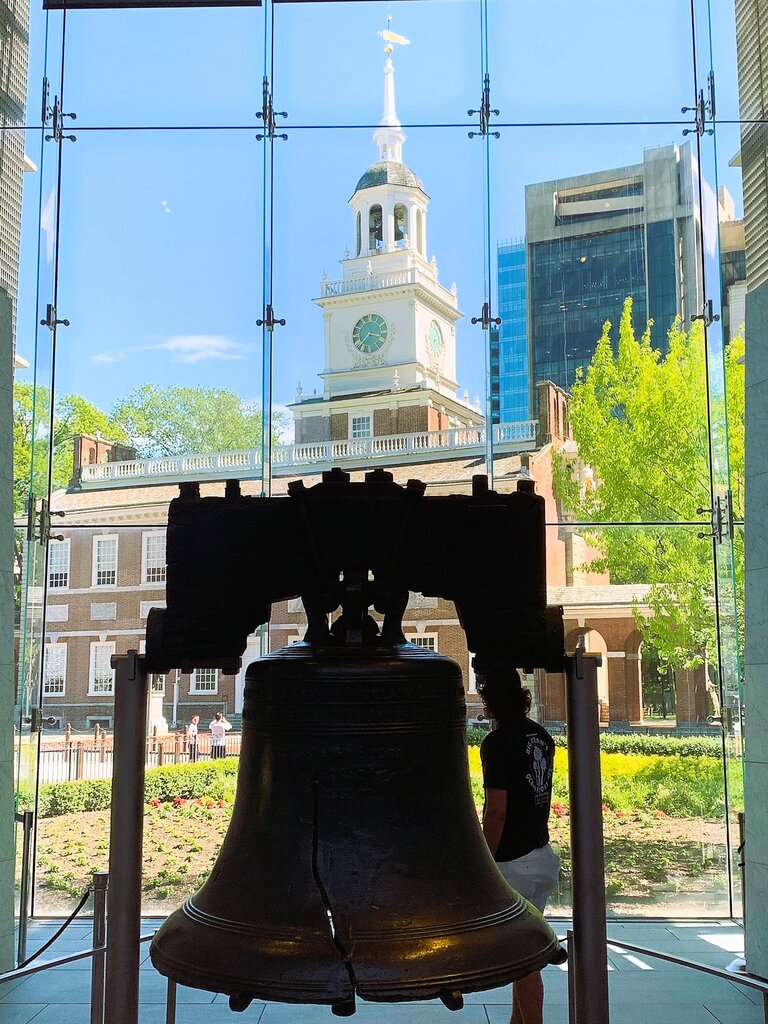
(192, 348)
(109, 357)
(184, 348)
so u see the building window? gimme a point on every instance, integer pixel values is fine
(361, 426)
(375, 228)
(105, 561)
(55, 671)
(204, 680)
(153, 557)
(102, 676)
(358, 248)
(428, 640)
(156, 682)
(58, 564)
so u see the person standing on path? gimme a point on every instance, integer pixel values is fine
(192, 738)
(219, 727)
(517, 759)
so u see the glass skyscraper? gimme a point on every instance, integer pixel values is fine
(512, 401)
(595, 239)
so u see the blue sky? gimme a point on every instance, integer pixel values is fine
(161, 231)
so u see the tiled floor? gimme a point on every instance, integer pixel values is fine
(642, 990)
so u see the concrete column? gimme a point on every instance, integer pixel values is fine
(756, 636)
(7, 859)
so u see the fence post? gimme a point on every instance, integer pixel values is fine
(103, 747)
(80, 757)
(160, 754)
(99, 884)
(121, 1002)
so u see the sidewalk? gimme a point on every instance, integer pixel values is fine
(643, 990)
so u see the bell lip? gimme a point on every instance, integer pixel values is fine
(186, 974)
(374, 991)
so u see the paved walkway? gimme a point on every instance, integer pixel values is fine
(643, 990)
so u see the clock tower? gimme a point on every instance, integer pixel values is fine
(389, 324)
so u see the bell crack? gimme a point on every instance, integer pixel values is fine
(346, 1007)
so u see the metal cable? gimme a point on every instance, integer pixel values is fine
(67, 923)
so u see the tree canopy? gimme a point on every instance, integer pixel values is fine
(639, 418)
(181, 421)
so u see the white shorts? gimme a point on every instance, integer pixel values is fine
(534, 876)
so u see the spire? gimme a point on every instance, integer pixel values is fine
(389, 135)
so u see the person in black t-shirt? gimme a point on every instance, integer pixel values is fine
(517, 759)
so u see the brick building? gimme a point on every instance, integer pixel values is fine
(109, 570)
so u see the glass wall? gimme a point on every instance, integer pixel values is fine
(267, 241)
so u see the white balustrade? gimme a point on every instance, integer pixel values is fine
(216, 465)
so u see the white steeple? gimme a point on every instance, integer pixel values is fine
(389, 135)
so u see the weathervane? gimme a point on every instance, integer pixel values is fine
(390, 37)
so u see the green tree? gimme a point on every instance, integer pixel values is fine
(180, 421)
(31, 415)
(639, 419)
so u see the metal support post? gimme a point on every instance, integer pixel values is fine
(121, 1002)
(170, 1003)
(99, 885)
(571, 992)
(27, 821)
(588, 959)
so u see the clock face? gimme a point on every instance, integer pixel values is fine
(369, 333)
(435, 339)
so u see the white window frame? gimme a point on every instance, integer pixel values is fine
(156, 680)
(417, 638)
(357, 418)
(145, 566)
(95, 565)
(193, 683)
(63, 546)
(60, 651)
(95, 653)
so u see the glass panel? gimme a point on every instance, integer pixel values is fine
(399, 361)
(33, 389)
(191, 68)
(662, 760)
(556, 62)
(442, 34)
(569, 250)
(724, 266)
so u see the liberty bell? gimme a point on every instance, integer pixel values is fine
(354, 864)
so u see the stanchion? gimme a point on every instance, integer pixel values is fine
(588, 958)
(121, 1001)
(27, 821)
(99, 885)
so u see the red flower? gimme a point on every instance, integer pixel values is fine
(154, 802)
